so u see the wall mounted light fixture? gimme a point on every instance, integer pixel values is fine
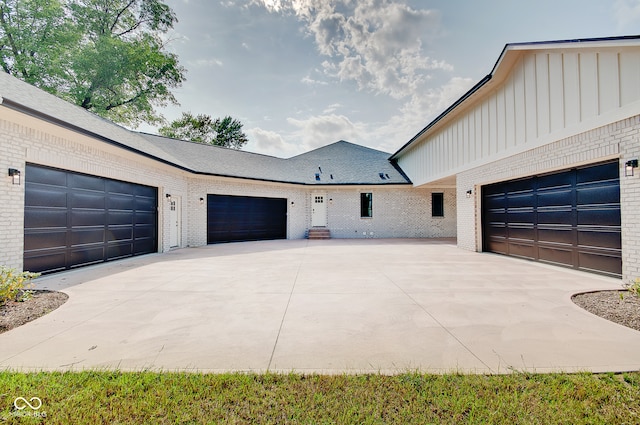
(629, 166)
(168, 196)
(15, 175)
(469, 193)
(201, 201)
(293, 204)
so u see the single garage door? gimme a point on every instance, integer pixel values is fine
(72, 219)
(569, 218)
(245, 218)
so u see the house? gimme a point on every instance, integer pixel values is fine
(538, 161)
(81, 190)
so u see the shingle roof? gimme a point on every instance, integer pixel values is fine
(340, 163)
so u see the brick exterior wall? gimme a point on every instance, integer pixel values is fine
(399, 212)
(619, 140)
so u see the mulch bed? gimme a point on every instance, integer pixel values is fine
(617, 306)
(14, 314)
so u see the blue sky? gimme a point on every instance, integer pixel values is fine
(301, 74)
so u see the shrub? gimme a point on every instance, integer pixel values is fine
(14, 285)
(633, 287)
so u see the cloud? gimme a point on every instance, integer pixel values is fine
(332, 108)
(205, 63)
(627, 14)
(310, 81)
(320, 130)
(375, 43)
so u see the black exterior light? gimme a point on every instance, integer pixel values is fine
(168, 196)
(469, 193)
(15, 175)
(629, 166)
(201, 201)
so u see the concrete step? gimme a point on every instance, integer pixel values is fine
(319, 233)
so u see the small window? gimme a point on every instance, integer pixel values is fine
(366, 205)
(437, 204)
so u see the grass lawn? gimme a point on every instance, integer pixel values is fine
(192, 398)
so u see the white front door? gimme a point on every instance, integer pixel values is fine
(174, 222)
(318, 210)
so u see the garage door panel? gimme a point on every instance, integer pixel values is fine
(86, 255)
(519, 232)
(88, 236)
(83, 181)
(522, 250)
(119, 249)
(46, 176)
(121, 202)
(555, 255)
(599, 216)
(520, 216)
(557, 235)
(50, 197)
(556, 181)
(609, 264)
(89, 200)
(559, 198)
(115, 187)
(83, 230)
(143, 203)
(45, 240)
(594, 195)
(51, 261)
(80, 218)
(572, 219)
(598, 173)
(39, 218)
(555, 216)
(603, 238)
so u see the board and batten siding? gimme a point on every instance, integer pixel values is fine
(547, 95)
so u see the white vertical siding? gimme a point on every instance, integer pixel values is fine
(545, 93)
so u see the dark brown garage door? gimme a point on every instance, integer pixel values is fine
(569, 218)
(73, 219)
(245, 218)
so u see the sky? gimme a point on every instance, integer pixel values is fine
(300, 74)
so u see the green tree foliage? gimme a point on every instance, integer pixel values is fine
(107, 56)
(226, 132)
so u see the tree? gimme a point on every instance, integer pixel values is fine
(225, 132)
(35, 36)
(107, 56)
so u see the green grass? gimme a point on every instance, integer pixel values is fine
(191, 398)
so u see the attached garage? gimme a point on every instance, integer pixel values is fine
(569, 218)
(74, 219)
(245, 218)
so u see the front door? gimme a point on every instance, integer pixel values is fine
(174, 222)
(318, 211)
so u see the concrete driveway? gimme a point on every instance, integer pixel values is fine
(356, 306)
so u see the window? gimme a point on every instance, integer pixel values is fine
(366, 205)
(437, 204)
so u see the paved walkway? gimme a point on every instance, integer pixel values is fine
(381, 306)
